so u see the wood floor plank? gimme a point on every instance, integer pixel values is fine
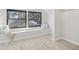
(38, 43)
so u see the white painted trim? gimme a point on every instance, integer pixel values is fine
(58, 38)
(71, 41)
(28, 37)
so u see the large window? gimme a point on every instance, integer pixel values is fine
(34, 19)
(16, 18)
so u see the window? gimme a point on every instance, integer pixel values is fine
(16, 18)
(34, 19)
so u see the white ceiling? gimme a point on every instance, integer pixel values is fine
(63, 10)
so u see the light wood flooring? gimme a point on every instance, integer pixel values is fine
(38, 43)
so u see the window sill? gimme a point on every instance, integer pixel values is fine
(25, 29)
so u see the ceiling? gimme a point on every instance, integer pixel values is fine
(63, 10)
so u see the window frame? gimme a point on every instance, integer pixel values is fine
(40, 19)
(26, 19)
(17, 11)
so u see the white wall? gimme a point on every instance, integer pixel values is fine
(71, 25)
(51, 21)
(27, 33)
(58, 24)
(3, 16)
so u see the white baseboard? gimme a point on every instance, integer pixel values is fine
(71, 41)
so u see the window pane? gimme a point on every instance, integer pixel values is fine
(16, 19)
(18, 23)
(13, 14)
(34, 19)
